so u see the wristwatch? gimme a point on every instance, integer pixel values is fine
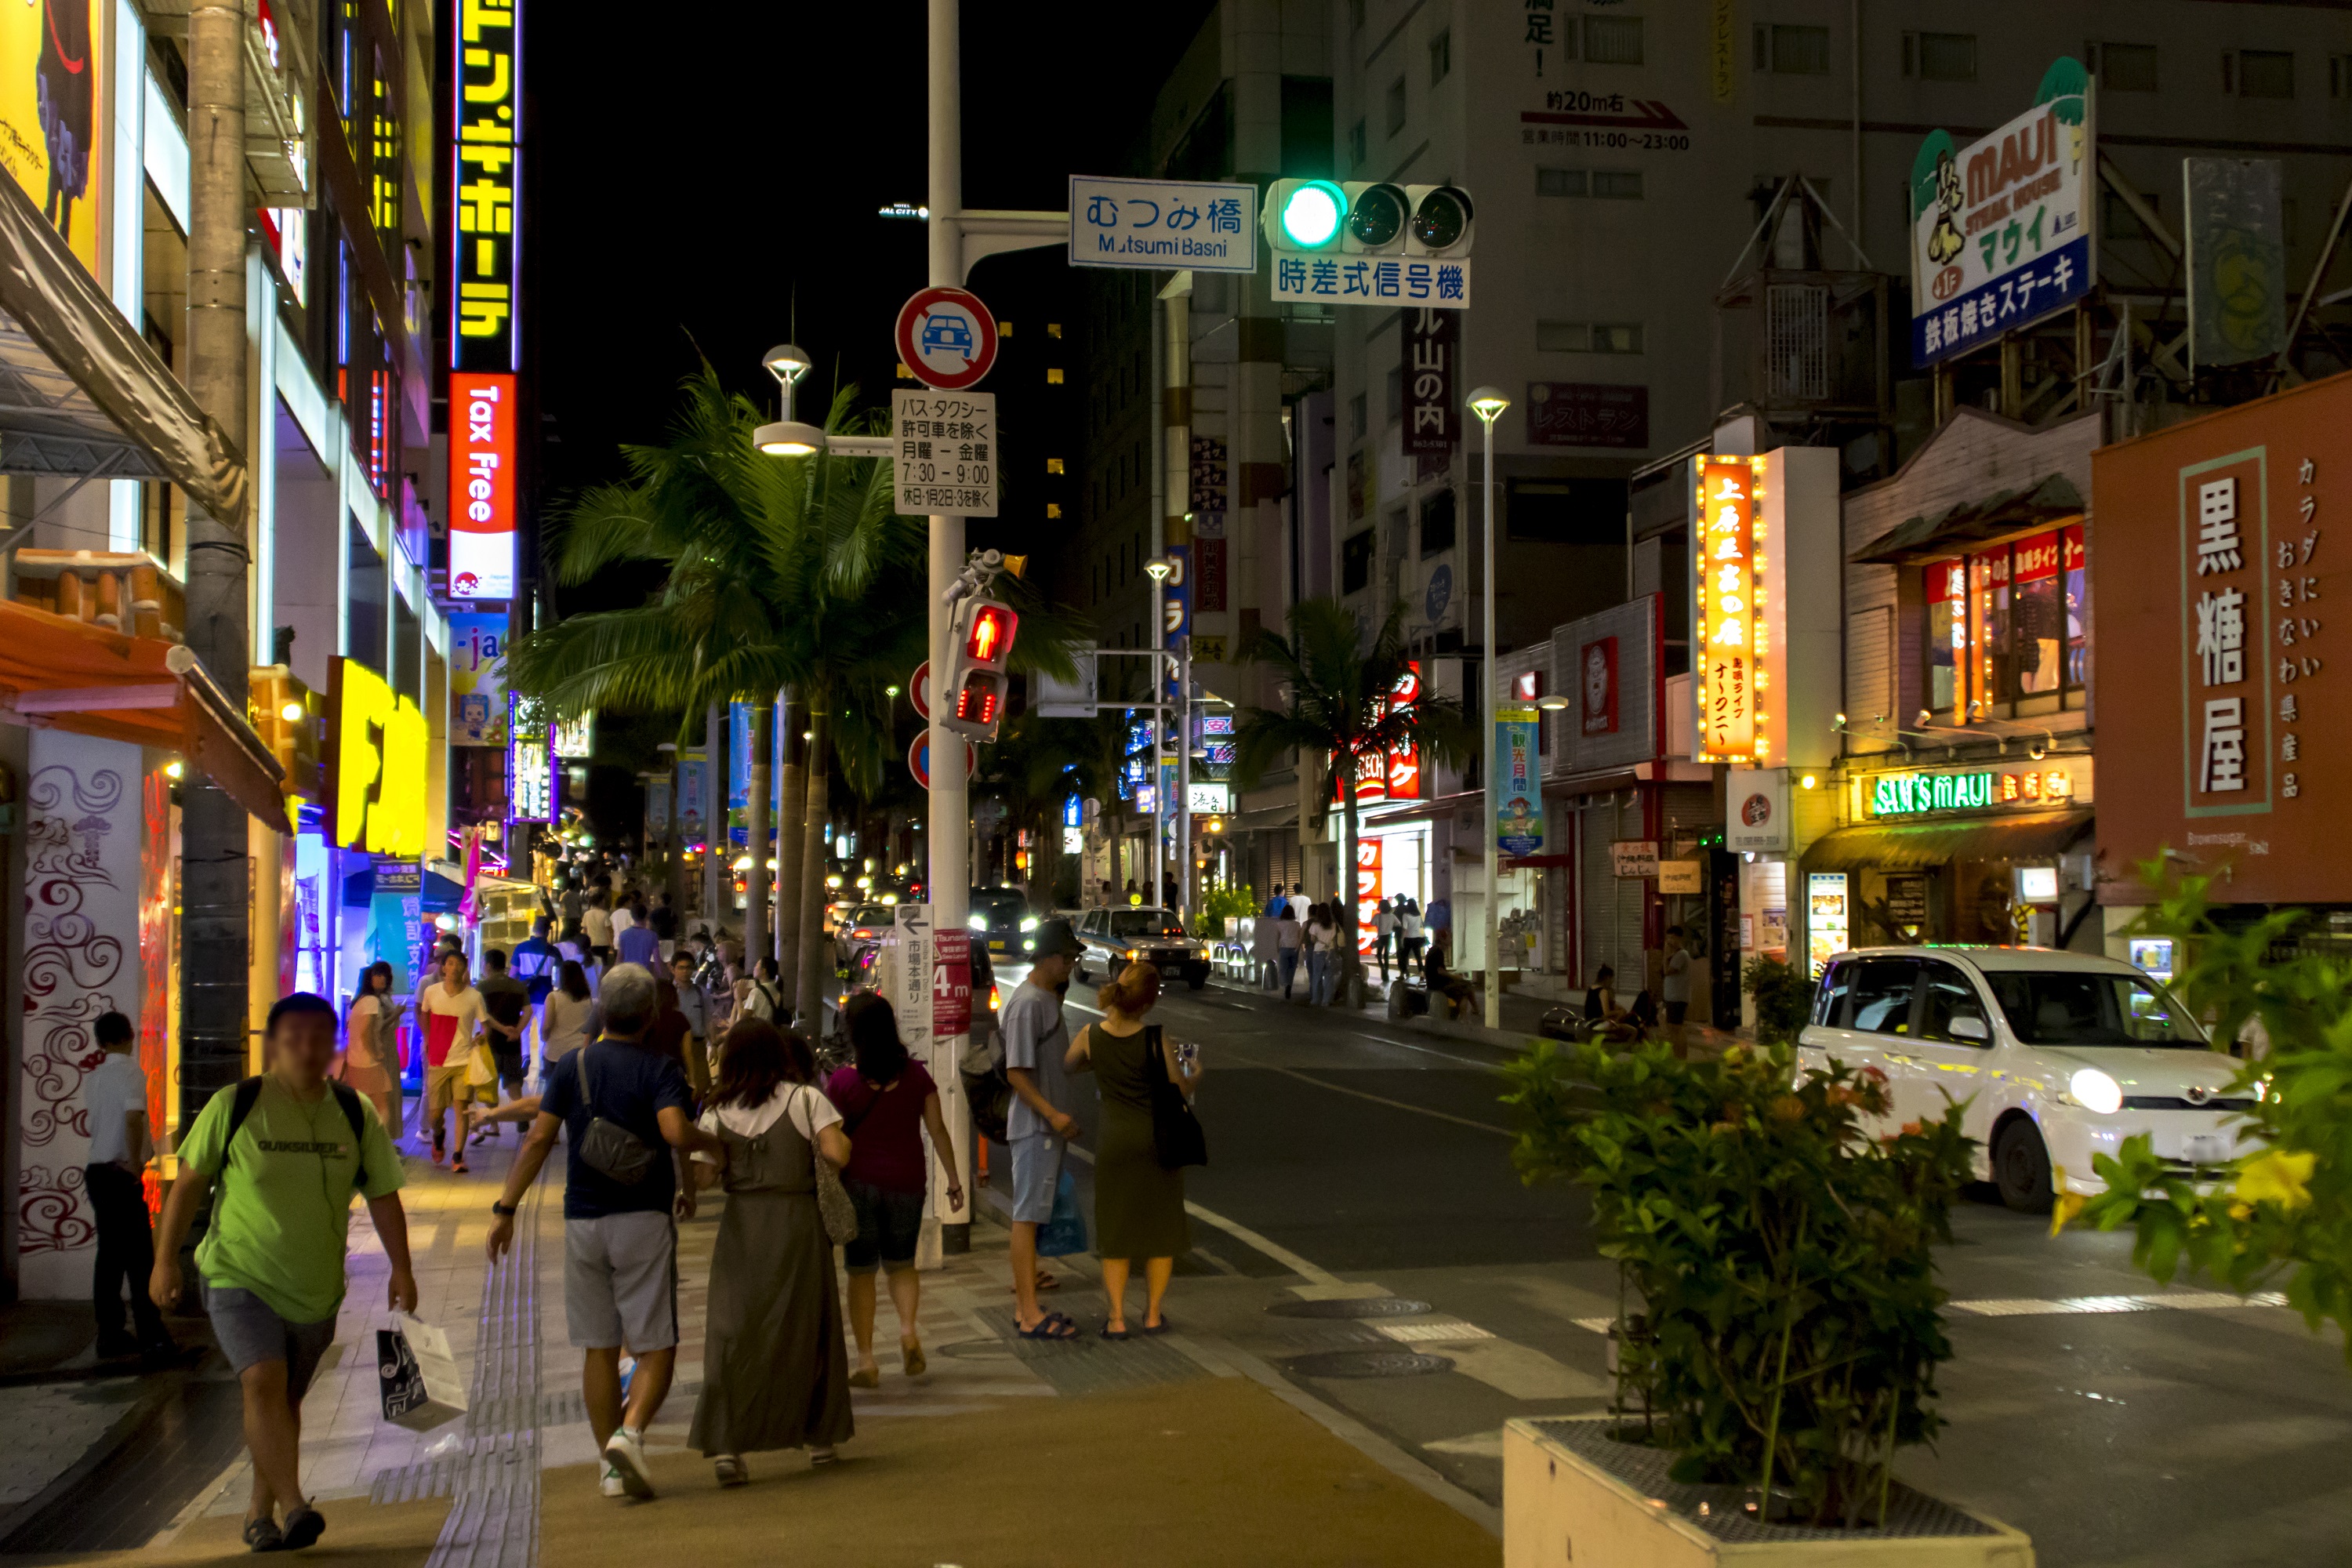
(504, 1211)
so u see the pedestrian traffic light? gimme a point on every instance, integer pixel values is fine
(1443, 221)
(1305, 215)
(285, 713)
(983, 631)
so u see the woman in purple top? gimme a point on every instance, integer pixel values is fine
(886, 1102)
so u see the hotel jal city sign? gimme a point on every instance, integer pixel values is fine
(376, 745)
(1738, 619)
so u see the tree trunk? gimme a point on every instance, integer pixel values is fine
(815, 975)
(1351, 969)
(791, 850)
(1046, 858)
(755, 832)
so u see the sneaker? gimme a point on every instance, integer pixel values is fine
(304, 1525)
(436, 1153)
(627, 1455)
(732, 1469)
(609, 1484)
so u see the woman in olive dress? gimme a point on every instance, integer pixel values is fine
(1139, 1203)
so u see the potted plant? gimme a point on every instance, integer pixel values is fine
(1783, 1320)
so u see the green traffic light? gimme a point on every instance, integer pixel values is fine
(1312, 215)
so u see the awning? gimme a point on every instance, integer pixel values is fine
(1949, 532)
(74, 676)
(80, 392)
(1916, 845)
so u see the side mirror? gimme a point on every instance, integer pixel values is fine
(1966, 1028)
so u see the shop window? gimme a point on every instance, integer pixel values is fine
(2004, 628)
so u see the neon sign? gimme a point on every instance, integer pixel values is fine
(376, 799)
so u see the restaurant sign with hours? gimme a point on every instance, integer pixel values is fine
(944, 447)
(2215, 561)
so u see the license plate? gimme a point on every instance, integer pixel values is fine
(1171, 971)
(996, 944)
(2207, 1148)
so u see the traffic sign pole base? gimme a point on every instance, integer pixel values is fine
(955, 1238)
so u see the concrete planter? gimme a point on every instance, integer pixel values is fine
(1572, 1498)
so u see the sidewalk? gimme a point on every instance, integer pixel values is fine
(1521, 1015)
(1005, 1452)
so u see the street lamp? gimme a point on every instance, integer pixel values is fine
(787, 437)
(1489, 402)
(1159, 568)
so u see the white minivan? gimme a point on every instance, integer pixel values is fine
(2060, 1056)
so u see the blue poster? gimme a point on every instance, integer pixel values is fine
(1519, 805)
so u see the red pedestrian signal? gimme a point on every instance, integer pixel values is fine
(990, 633)
(984, 630)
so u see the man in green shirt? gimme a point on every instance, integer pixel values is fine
(286, 1151)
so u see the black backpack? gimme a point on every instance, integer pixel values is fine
(249, 1091)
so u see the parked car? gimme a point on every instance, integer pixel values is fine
(1115, 938)
(858, 932)
(2057, 1057)
(1001, 924)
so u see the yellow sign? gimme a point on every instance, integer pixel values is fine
(1723, 50)
(55, 103)
(376, 790)
(1733, 612)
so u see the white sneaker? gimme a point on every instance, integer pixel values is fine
(627, 1455)
(609, 1485)
(732, 1469)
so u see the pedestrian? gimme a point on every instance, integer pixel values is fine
(114, 1099)
(774, 1373)
(1411, 936)
(696, 1010)
(371, 1047)
(1300, 906)
(1276, 904)
(1442, 982)
(575, 907)
(624, 914)
(763, 996)
(1287, 938)
(636, 944)
(598, 923)
(1437, 921)
(1138, 1202)
(665, 923)
(1039, 1126)
(1384, 925)
(1322, 943)
(506, 1018)
(533, 961)
(563, 1017)
(1675, 985)
(620, 1243)
(887, 1101)
(281, 1156)
(453, 1015)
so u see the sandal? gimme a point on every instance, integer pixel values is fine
(1051, 1326)
(1045, 1283)
(1161, 1327)
(303, 1525)
(263, 1535)
(458, 1167)
(1110, 1333)
(865, 1377)
(911, 1360)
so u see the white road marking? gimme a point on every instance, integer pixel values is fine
(1266, 1244)
(2034, 1307)
(1443, 1328)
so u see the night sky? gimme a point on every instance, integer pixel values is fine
(688, 177)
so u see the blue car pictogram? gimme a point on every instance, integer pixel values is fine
(947, 332)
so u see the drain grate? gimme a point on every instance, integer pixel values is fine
(1367, 1363)
(1361, 1307)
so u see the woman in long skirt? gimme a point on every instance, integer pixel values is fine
(775, 1374)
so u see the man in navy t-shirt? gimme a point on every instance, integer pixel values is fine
(620, 1245)
(535, 961)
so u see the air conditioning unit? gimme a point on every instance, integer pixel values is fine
(1797, 339)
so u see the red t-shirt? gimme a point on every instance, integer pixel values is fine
(885, 1128)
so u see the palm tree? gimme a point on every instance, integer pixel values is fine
(1035, 765)
(1340, 704)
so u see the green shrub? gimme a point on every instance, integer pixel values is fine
(1789, 1320)
(1783, 998)
(1220, 902)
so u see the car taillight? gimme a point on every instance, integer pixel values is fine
(991, 998)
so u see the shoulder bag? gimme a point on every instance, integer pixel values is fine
(608, 1148)
(832, 1204)
(1176, 1134)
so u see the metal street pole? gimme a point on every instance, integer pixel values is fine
(1486, 404)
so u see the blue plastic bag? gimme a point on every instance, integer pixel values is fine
(1066, 1232)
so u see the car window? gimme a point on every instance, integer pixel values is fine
(1089, 922)
(1947, 995)
(2085, 1007)
(1880, 1002)
(1144, 922)
(1831, 996)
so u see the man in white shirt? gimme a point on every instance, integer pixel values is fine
(114, 1099)
(1298, 902)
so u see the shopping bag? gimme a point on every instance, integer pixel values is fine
(1066, 1232)
(420, 1380)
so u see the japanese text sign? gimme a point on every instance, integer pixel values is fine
(950, 983)
(1433, 415)
(485, 177)
(531, 789)
(1169, 224)
(1727, 628)
(481, 486)
(945, 448)
(1518, 807)
(1388, 280)
(2001, 230)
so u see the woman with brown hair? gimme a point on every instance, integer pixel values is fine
(1138, 1202)
(371, 1045)
(774, 1371)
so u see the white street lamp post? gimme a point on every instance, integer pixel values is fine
(1487, 404)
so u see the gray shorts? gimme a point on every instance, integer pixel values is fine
(1037, 1172)
(250, 1331)
(620, 1281)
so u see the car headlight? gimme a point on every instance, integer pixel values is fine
(2095, 1091)
(1132, 954)
(1029, 922)
(977, 922)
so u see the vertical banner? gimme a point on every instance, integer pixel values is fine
(532, 788)
(657, 808)
(739, 756)
(1725, 622)
(693, 784)
(481, 486)
(1432, 414)
(1368, 892)
(1519, 800)
(478, 679)
(484, 179)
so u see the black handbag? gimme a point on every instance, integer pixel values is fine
(1176, 1134)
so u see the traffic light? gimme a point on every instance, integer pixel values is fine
(984, 630)
(285, 713)
(1368, 217)
(1443, 221)
(1306, 216)
(1376, 213)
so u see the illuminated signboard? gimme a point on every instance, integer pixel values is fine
(530, 769)
(481, 486)
(576, 737)
(486, 176)
(1385, 775)
(375, 764)
(1907, 794)
(1733, 612)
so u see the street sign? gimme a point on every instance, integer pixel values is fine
(947, 338)
(950, 983)
(919, 690)
(945, 452)
(1208, 799)
(919, 760)
(1433, 283)
(1162, 224)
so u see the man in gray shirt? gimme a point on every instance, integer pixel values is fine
(1039, 1126)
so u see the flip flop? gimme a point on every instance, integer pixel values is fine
(1045, 1283)
(263, 1535)
(304, 1525)
(1110, 1333)
(1051, 1326)
(1160, 1328)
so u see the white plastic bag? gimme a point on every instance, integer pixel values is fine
(421, 1384)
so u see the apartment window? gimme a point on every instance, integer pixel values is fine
(1786, 50)
(1053, 508)
(2259, 73)
(1053, 464)
(1396, 106)
(1356, 562)
(1612, 40)
(2127, 67)
(1940, 57)
(1617, 185)
(1357, 422)
(1588, 337)
(1053, 329)
(1602, 184)
(1053, 378)
(1356, 145)
(1396, 393)
(2118, 221)
(1440, 57)
(2004, 626)
(1437, 522)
